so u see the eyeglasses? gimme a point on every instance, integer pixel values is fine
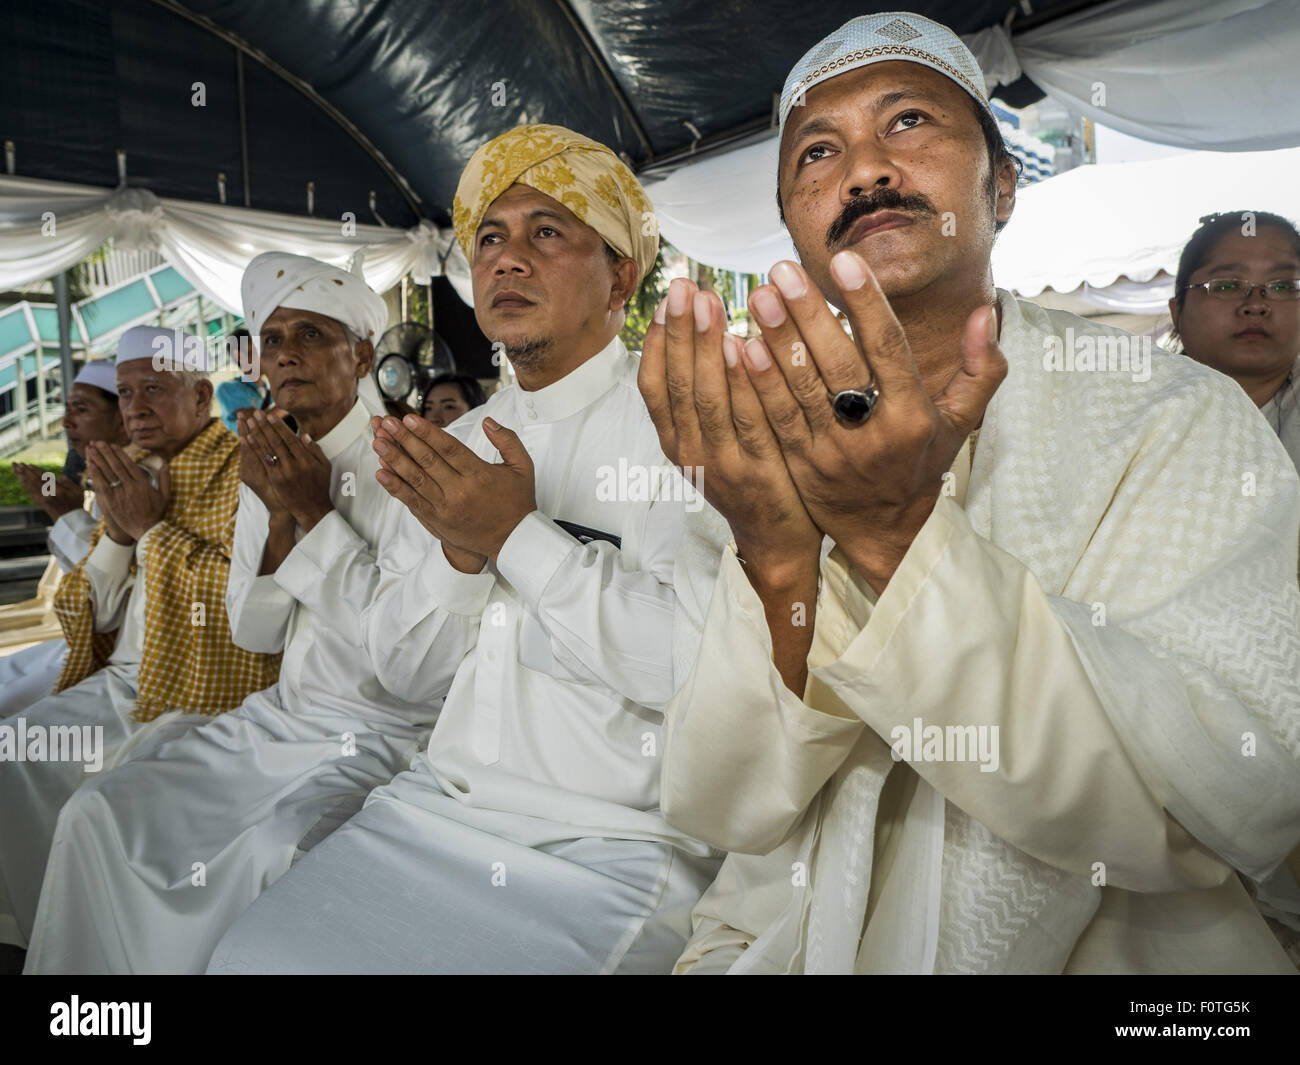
(1235, 288)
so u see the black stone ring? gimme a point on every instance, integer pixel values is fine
(853, 406)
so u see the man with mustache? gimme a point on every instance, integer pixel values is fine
(527, 836)
(1060, 592)
(144, 613)
(92, 414)
(278, 772)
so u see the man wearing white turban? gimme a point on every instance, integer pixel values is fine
(533, 593)
(92, 414)
(258, 785)
(1039, 708)
(149, 644)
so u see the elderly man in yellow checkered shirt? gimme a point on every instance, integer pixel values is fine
(149, 645)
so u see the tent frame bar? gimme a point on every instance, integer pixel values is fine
(411, 196)
(598, 58)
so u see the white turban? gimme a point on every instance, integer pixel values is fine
(100, 373)
(278, 279)
(891, 36)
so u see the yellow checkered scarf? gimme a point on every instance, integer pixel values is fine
(584, 175)
(187, 661)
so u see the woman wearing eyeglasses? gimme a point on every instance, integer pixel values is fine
(1236, 308)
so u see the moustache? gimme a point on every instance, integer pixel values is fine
(884, 199)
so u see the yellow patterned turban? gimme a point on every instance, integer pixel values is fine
(584, 175)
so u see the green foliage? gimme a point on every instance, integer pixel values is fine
(11, 491)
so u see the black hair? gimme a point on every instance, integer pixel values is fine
(470, 390)
(1214, 227)
(994, 144)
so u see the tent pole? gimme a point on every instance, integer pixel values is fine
(243, 126)
(64, 312)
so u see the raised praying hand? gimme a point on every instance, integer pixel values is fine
(470, 505)
(53, 493)
(131, 505)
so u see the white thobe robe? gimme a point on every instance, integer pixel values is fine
(1108, 597)
(33, 793)
(527, 837)
(243, 792)
(30, 674)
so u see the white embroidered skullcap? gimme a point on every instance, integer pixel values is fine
(167, 348)
(893, 35)
(100, 373)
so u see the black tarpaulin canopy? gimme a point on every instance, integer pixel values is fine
(392, 96)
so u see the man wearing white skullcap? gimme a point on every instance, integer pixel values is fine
(144, 614)
(91, 414)
(530, 588)
(972, 662)
(246, 790)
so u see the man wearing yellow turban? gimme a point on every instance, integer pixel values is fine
(531, 592)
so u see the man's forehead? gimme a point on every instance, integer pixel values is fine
(525, 201)
(286, 317)
(81, 390)
(140, 371)
(865, 87)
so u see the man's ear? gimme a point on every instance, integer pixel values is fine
(1006, 190)
(625, 281)
(365, 357)
(204, 393)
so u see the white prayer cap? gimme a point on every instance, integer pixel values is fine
(891, 36)
(168, 348)
(278, 279)
(100, 373)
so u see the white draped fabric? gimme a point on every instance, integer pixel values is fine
(48, 226)
(1211, 74)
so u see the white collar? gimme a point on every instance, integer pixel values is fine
(349, 427)
(577, 389)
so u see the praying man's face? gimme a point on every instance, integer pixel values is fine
(891, 126)
(310, 364)
(92, 414)
(1248, 336)
(543, 280)
(161, 411)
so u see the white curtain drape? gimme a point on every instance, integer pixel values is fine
(48, 226)
(1216, 75)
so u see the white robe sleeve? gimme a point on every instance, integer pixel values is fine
(332, 572)
(69, 538)
(425, 615)
(744, 755)
(258, 608)
(610, 625)
(1111, 750)
(108, 572)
